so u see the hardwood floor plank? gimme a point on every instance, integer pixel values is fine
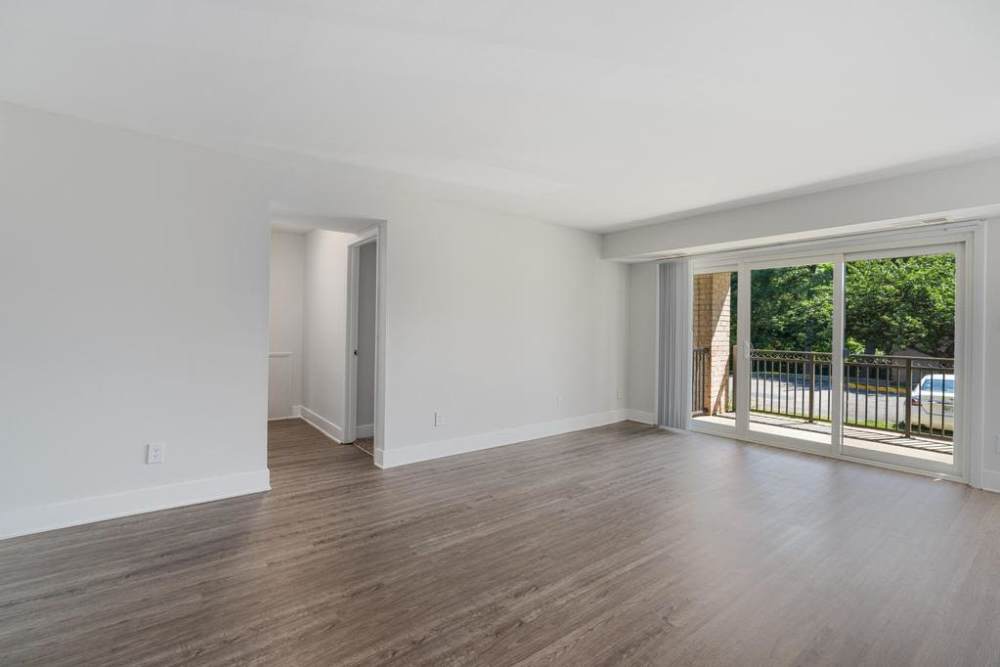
(616, 545)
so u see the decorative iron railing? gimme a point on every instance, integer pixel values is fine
(908, 395)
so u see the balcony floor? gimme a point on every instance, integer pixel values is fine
(926, 449)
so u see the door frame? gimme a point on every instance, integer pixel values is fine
(374, 235)
(967, 240)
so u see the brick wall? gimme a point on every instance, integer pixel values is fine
(711, 318)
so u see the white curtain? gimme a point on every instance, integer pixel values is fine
(674, 352)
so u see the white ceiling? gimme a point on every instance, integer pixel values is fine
(582, 112)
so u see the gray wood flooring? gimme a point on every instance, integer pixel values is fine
(616, 545)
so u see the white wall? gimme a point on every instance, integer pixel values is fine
(991, 346)
(133, 278)
(325, 328)
(507, 327)
(367, 264)
(642, 308)
(287, 286)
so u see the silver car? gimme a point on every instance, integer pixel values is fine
(933, 402)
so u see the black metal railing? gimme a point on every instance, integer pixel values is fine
(900, 394)
(905, 394)
(790, 383)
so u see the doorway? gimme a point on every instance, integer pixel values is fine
(363, 338)
(324, 324)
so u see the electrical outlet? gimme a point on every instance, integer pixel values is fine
(558, 400)
(621, 394)
(438, 419)
(996, 444)
(155, 453)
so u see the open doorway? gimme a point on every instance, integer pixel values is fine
(362, 343)
(323, 322)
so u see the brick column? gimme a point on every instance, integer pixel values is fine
(711, 318)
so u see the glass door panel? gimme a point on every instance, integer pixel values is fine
(899, 359)
(789, 354)
(713, 337)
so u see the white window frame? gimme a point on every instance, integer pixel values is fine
(966, 241)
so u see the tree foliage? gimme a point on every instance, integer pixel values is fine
(901, 302)
(891, 305)
(792, 308)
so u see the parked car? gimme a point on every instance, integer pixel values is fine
(933, 403)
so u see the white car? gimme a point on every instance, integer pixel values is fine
(933, 403)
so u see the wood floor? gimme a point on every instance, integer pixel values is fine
(617, 545)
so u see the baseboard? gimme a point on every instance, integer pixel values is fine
(391, 458)
(364, 431)
(41, 518)
(321, 424)
(641, 417)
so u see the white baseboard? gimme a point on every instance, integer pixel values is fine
(641, 417)
(364, 431)
(433, 450)
(321, 424)
(41, 518)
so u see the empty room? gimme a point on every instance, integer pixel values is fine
(499, 333)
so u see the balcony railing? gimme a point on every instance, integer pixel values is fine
(907, 395)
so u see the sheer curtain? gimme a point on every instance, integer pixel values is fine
(674, 353)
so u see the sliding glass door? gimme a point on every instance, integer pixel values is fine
(855, 355)
(790, 352)
(899, 373)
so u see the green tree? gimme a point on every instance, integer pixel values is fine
(792, 308)
(901, 302)
(891, 304)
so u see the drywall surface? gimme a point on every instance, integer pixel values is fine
(133, 278)
(367, 277)
(642, 308)
(287, 285)
(991, 346)
(325, 326)
(496, 323)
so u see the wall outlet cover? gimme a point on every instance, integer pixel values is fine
(155, 453)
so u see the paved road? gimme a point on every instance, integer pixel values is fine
(791, 397)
